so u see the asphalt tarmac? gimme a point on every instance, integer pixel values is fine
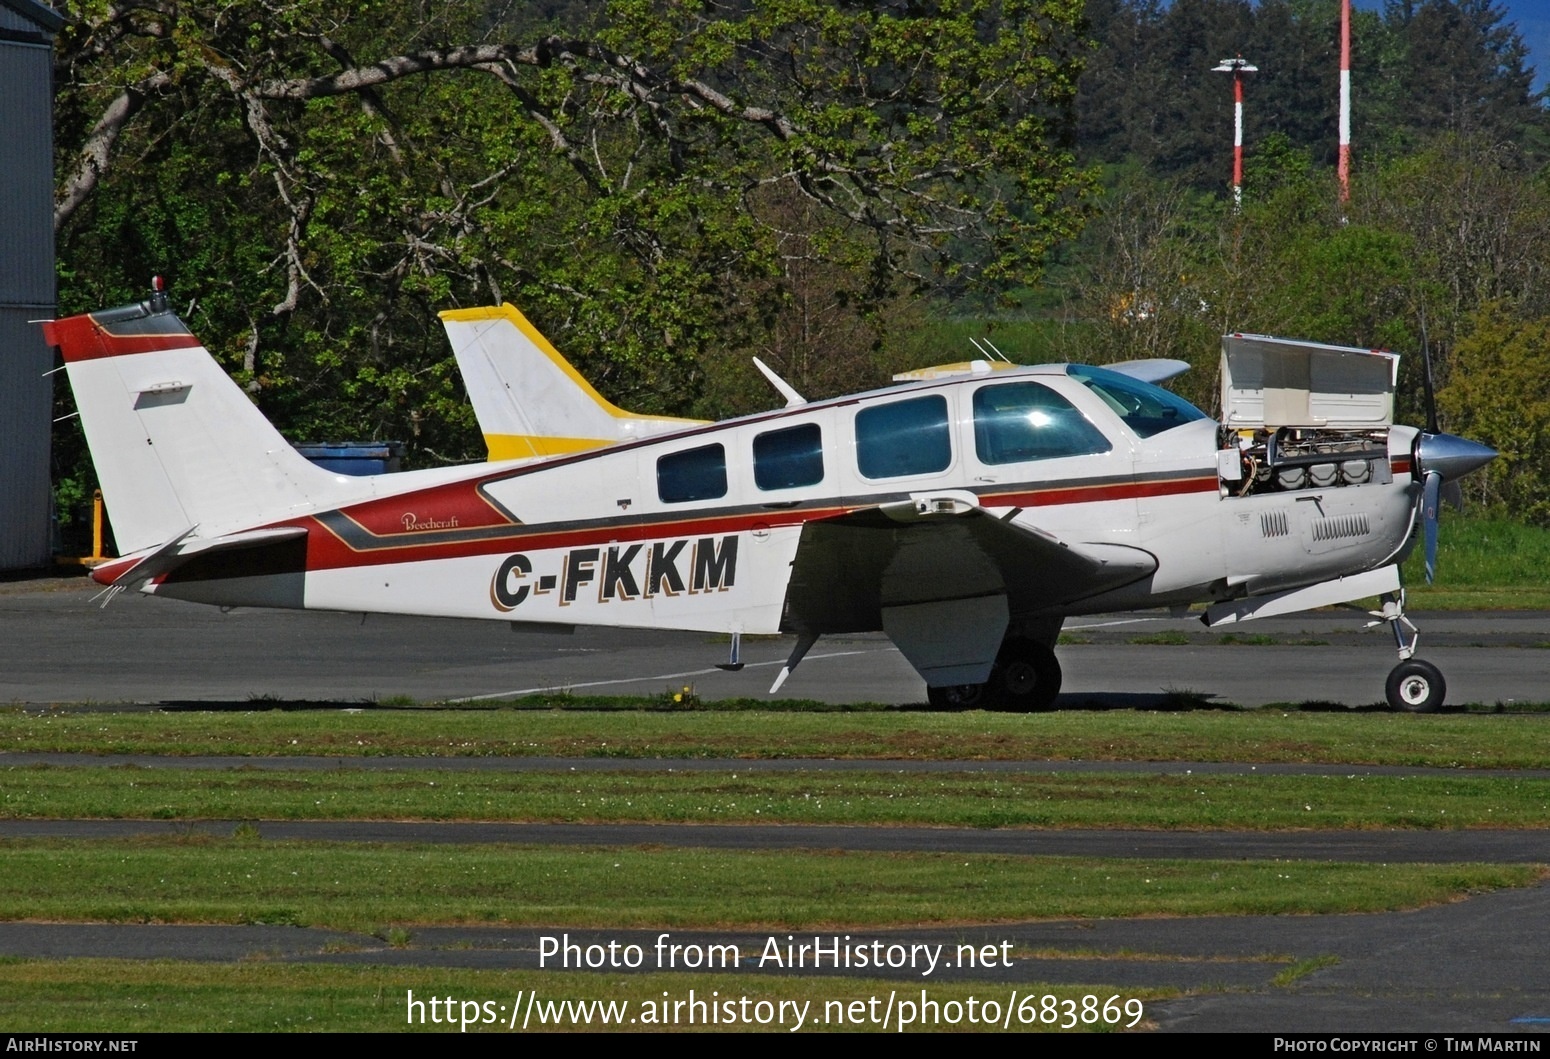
(58, 647)
(1477, 965)
(1416, 847)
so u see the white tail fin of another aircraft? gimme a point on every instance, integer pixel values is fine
(529, 400)
(178, 446)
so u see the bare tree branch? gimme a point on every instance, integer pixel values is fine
(396, 68)
(98, 148)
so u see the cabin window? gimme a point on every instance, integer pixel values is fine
(904, 438)
(785, 459)
(1145, 408)
(1019, 421)
(694, 474)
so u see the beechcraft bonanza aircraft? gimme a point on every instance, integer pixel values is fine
(965, 515)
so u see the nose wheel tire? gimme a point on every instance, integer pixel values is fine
(1415, 686)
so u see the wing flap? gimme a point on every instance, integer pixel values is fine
(940, 547)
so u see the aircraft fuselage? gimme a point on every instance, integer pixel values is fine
(699, 529)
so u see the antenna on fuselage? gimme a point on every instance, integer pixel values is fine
(786, 389)
(989, 350)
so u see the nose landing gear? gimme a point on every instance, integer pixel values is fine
(1415, 685)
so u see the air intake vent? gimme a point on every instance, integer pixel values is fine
(1328, 529)
(1273, 523)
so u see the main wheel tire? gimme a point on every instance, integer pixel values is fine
(958, 697)
(1027, 676)
(1415, 686)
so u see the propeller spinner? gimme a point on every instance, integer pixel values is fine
(1441, 460)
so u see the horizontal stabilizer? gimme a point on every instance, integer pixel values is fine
(134, 570)
(949, 371)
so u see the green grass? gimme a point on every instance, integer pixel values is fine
(366, 888)
(1162, 639)
(1473, 740)
(856, 798)
(1483, 564)
(1301, 969)
(135, 997)
(1478, 552)
(392, 891)
(1445, 596)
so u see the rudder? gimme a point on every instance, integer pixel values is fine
(176, 442)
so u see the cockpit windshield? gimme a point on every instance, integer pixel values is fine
(1145, 409)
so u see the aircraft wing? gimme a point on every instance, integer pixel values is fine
(942, 576)
(1157, 370)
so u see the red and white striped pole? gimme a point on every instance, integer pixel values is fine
(1344, 168)
(1237, 67)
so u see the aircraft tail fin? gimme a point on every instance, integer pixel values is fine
(528, 398)
(177, 445)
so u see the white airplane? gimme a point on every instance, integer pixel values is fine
(966, 516)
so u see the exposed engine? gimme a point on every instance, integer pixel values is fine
(1288, 459)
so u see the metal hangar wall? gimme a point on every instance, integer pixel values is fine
(26, 279)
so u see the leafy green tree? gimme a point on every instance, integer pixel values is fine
(1145, 284)
(1422, 69)
(1499, 393)
(1465, 70)
(321, 179)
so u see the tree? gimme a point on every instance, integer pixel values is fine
(1465, 72)
(1499, 393)
(1423, 69)
(1143, 288)
(323, 189)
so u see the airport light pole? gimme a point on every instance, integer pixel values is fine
(1344, 168)
(1237, 67)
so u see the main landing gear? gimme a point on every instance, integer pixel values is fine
(1414, 686)
(1026, 677)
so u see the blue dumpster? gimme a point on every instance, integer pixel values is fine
(354, 457)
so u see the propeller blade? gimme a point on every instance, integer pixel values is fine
(1428, 386)
(1441, 460)
(1429, 498)
(1453, 495)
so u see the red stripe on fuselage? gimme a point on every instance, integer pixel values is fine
(1090, 494)
(458, 505)
(328, 551)
(82, 338)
